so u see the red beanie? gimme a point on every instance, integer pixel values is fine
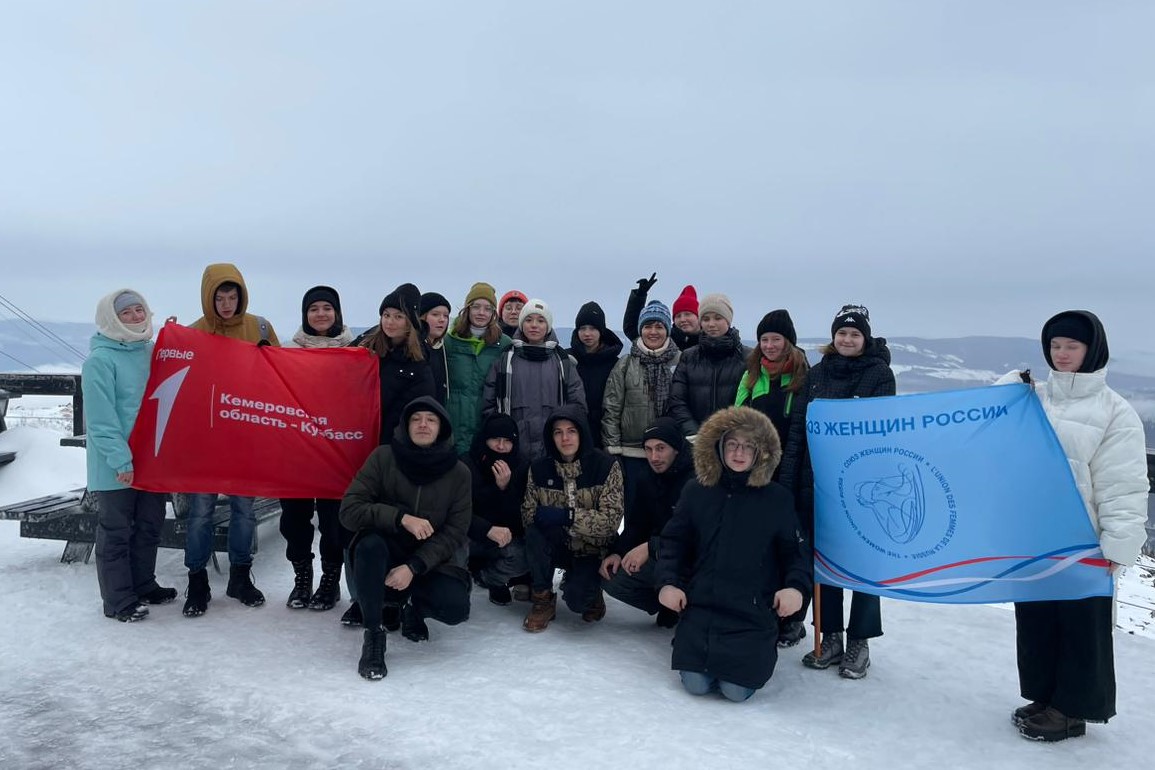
(687, 302)
(513, 294)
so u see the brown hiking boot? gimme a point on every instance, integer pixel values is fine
(541, 612)
(597, 609)
(1052, 725)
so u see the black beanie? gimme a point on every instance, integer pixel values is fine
(591, 314)
(430, 300)
(499, 426)
(1083, 326)
(665, 429)
(407, 299)
(778, 322)
(321, 294)
(854, 316)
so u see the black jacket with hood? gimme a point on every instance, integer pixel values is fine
(492, 506)
(732, 544)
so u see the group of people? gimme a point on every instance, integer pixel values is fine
(671, 472)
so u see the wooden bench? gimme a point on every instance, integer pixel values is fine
(71, 517)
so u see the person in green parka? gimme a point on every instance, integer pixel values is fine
(471, 347)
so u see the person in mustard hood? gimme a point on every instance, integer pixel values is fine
(225, 301)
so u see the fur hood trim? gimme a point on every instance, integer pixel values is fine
(707, 452)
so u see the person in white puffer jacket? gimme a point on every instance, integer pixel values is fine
(1065, 651)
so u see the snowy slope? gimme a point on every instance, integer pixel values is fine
(274, 688)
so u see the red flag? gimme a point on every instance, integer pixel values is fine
(220, 415)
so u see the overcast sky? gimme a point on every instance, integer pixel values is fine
(960, 167)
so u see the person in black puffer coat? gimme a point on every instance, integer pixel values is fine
(854, 365)
(708, 374)
(496, 534)
(596, 350)
(732, 559)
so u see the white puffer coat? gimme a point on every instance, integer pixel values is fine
(1102, 437)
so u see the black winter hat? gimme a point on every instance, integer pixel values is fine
(430, 300)
(665, 429)
(407, 299)
(591, 314)
(499, 425)
(778, 322)
(321, 294)
(854, 316)
(1081, 325)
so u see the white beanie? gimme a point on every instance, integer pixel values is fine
(536, 307)
(716, 303)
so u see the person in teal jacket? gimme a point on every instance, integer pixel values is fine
(129, 520)
(471, 347)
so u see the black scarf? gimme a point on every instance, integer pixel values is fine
(423, 466)
(720, 347)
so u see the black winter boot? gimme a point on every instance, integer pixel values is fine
(372, 663)
(391, 616)
(159, 595)
(302, 585)
(198, 594)
(130, 614)
(413, 625)
(352, 616)
(241, 586)
(329, 589)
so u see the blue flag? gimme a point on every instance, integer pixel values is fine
(962, 496)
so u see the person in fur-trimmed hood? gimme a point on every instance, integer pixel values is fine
(732, 560)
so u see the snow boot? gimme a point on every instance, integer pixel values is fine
(130, 614)
(302, 585)
(241, 586)
(541, 612)
(413, 625)
(372, 663)
(1052, 725)
(159, 595)
(500, 596)
(198, 595)
(667, 618)
(856, 659)
(352, 616)
(791, 633)
(1023, 713)
(391, 616)
(829, 654)
(597, 609)
(329, 589)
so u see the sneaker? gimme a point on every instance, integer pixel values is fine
(597, 609)
(667, 618)
(1023, 713)
(829, 653)
(372, 663)
(856, 660)
(198, 595)
(352, 616)
(241, 586)
(1052, 725)
(413, 625)
(500, 596)
(791, 633)
(302, 585)
(541, 612)
(159, 595)
(130, 614)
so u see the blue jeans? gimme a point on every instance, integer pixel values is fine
(499, 565)
(198, 547)
(704, 684)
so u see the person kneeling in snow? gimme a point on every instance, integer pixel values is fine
(732, 559)
(410, 505)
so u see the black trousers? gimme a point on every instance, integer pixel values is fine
(547, 549)
(865, 614)
(1067, 657)
(435, 594)
(128, 527)
(297, 529)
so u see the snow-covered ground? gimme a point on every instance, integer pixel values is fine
(275, 688)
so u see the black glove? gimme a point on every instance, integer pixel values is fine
(552, 516)
(645, 285)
